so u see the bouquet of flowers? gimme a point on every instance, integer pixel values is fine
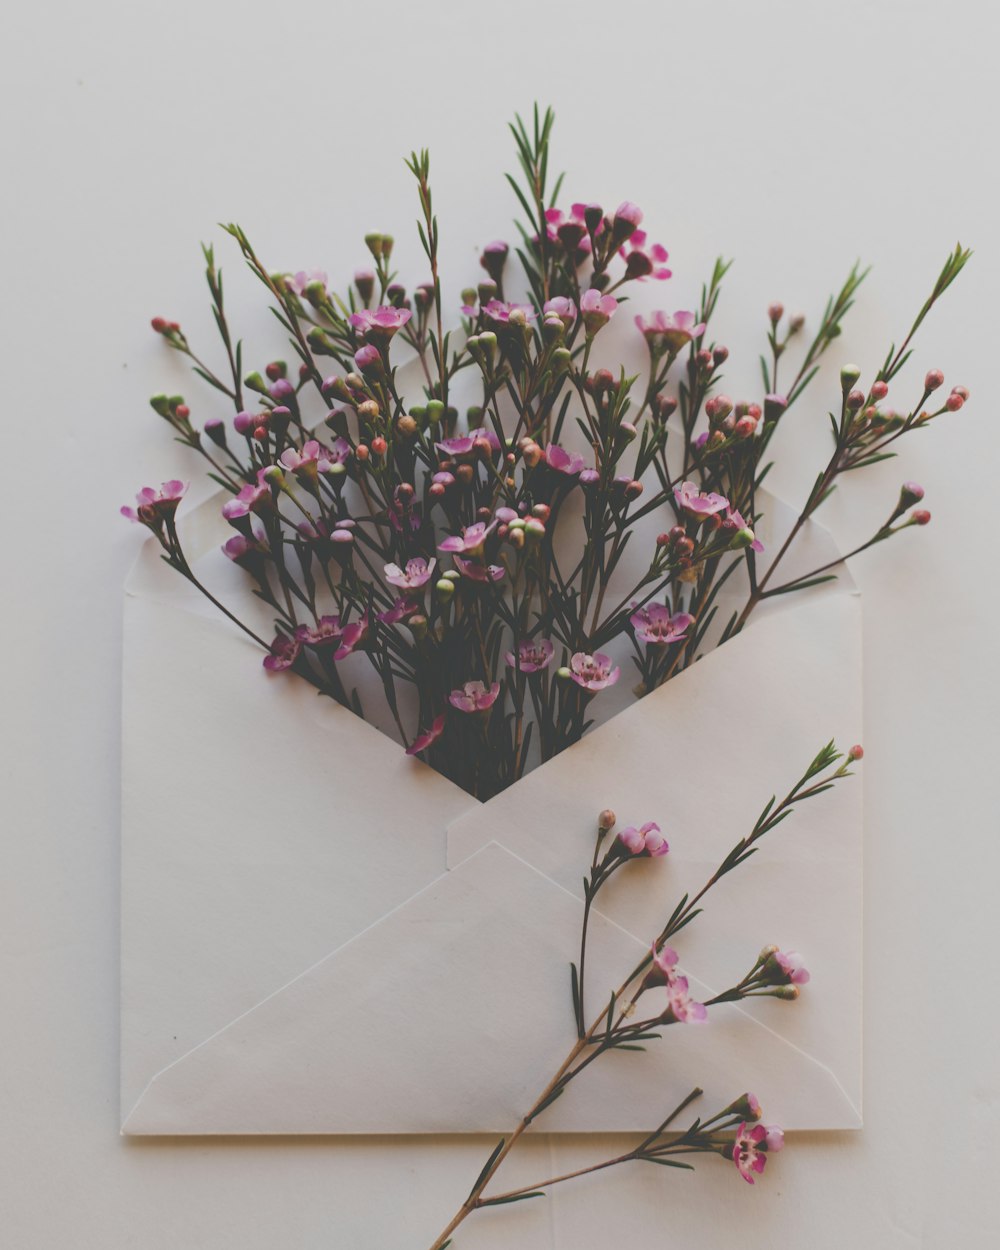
(495, 568)
(486, 551)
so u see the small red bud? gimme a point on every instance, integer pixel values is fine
(856, 752)
(684, 547)
(879, 391)
(745, 427)
(542, 511)
(183, 411)
(436, 489)
(920, 517)
(775, 312)
(663, 540)
(361, 452)
(954, 402)
(159, 324)
(260, 434)
(933, 380)
(379, 445)
(963, 391)
(855, 399)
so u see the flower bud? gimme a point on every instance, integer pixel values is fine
(933, 380)
(879, 391)
(855, 400)
(849, 374)
(254, 382)
(746, 1107)
(719, 356)
(216, 430)
(435, 411)
(954, 402)
(920, 517)
(407, 427)
(445, 589)
(775, 312)
(856, 752)
(910, 493)
(774, 406)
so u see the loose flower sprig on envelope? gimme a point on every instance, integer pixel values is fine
(655, 995)
(482, 563)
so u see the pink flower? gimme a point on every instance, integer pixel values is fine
(466, 446)
(478, 572)
(283, 654)
(424, 740)
(326, 632)
(775, 1139)
(749, 1150)
(597, 309)
(671, 330)
(571, 231)
(497, 311)
(697, 502)
(563, 461)
(298, 282)
(655, 626)
(418, 573)
(646, 841)
(788, 967)
(663, 968)
(250, 499)
(399, 611)
(681, 1008)
(354, 636)
(471, 539)
(380, 323)
(155, 506)
(562, 308)
(593, 672)
(642, 261)
(735, 522)
(532, 655)
(474, 697)
(314, 458)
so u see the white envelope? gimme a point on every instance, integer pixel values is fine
(321, 935)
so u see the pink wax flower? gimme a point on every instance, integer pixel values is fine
(471, 539)
(697, 502)
(313, 457)
(283, 654)
(424, 740)
(627, 216)
(647, 841)
(417, 573)
(298, 282)
(354, 636)
(325, 633)
(562, 308)
(593, 672)
(671, 330)
(154, 506)
(788, 967)
(597, 309)
(681, 1007)
(750, 1150)
(570, 229)
(664, 966)
(642, 260)
(734, 521)
(655, 626)
(466, 446)
(775, 1138)
(497, 311)
(563, 461)
(380, 323)
(474, 697)
(250, 499)
(478, 572)
(400, 610)
(532, 655)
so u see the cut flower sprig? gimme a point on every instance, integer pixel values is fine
(734, 1133)
(483, 563)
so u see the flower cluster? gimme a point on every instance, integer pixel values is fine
(496, 563)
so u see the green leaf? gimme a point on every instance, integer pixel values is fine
(488, 1164)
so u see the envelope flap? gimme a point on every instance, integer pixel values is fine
(419, 1026)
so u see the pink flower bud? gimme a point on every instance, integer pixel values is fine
(775, 312)
(920, 517)
(954, 402)
(933, 380)
(879, 391)
(856, 752)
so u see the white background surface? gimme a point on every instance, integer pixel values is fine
(792, 136)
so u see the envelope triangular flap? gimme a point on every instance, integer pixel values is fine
(449, 1017)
